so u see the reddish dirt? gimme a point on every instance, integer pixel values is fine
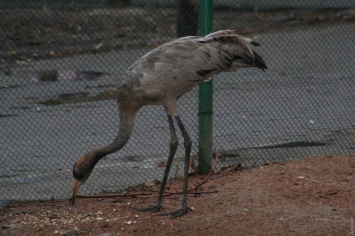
(313, 196)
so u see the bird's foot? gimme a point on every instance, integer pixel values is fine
(180, 212)
(154, 208)
(71, 201)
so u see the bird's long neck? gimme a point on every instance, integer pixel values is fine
(127, 116)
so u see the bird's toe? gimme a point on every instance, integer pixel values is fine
(154, 208)
(178, 213)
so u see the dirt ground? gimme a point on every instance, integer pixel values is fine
(312, 196)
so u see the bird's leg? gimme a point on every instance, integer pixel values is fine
(187, 143)
(173, 146)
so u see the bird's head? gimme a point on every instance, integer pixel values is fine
(81, 172)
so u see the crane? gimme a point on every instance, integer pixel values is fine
(161, 77)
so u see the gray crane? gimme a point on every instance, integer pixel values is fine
(161, 77)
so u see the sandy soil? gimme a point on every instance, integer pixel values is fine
(312, 196)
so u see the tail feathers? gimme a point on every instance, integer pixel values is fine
(259, 61)
(248, 61)
(240, 49)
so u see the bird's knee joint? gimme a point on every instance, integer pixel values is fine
(174, 143)
(187, 143)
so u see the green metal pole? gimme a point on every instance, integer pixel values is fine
(205, 98)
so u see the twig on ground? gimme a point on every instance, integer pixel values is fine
(209, 174)
(154, 192)
(108, 195)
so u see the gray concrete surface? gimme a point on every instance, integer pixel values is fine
(302, 106)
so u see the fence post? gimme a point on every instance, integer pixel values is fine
(205, 98)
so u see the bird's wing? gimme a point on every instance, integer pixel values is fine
(179, 65)
(200, 56)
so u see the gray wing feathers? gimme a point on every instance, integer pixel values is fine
(197, 58)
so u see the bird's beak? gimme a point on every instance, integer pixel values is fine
(76, 186)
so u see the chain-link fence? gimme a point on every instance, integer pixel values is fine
(60, 64)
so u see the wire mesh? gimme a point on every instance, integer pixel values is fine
(60, 64)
